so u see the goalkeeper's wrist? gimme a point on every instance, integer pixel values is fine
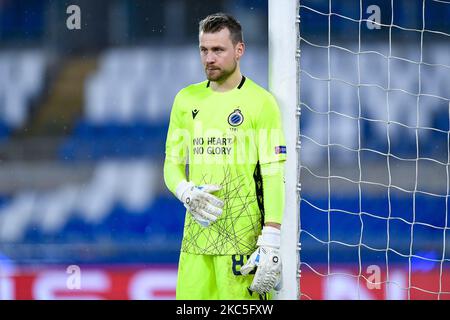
(270, 237)
(182, 187)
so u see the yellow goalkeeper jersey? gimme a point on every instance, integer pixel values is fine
(224, 137)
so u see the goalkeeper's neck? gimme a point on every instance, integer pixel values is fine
(229, 83)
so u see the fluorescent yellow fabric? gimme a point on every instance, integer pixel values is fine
(208, 277)
(226, 138)
(173, 174)
(273, 191)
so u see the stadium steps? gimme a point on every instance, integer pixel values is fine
(63, 105)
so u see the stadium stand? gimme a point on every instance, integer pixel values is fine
(22, 79)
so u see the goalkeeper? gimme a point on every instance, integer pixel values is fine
(224, 161)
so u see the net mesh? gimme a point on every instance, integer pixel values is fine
(374, 149)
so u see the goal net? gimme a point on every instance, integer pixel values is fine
(372, 142)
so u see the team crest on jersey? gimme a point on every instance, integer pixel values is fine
(235, 118)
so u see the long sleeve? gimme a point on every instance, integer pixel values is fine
(173, 175)
(272, 156)
(273, 190)
(176, 148)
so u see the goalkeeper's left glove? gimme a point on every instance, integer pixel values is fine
(204, 207)
(267, 260)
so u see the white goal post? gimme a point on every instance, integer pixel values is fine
(283, 26)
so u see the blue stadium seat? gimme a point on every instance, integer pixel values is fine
(122, 141)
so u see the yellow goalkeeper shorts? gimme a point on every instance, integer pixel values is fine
(209, 277)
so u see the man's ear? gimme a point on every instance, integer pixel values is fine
(240, 49)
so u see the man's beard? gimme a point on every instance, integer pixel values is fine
(220, 75)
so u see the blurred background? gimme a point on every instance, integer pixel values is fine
(84, 112)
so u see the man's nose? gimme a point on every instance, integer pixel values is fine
(210, 57)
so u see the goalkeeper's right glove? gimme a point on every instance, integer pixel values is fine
(204, 207)
(267, 261)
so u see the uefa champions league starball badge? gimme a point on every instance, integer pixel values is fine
(235, 118)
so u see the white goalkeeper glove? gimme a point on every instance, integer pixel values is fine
(204, 207)
(267, 260)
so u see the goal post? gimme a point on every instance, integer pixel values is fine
(283, 85)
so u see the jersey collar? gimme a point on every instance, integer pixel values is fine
(239, 86)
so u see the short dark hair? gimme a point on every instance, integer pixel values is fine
(218, 21)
